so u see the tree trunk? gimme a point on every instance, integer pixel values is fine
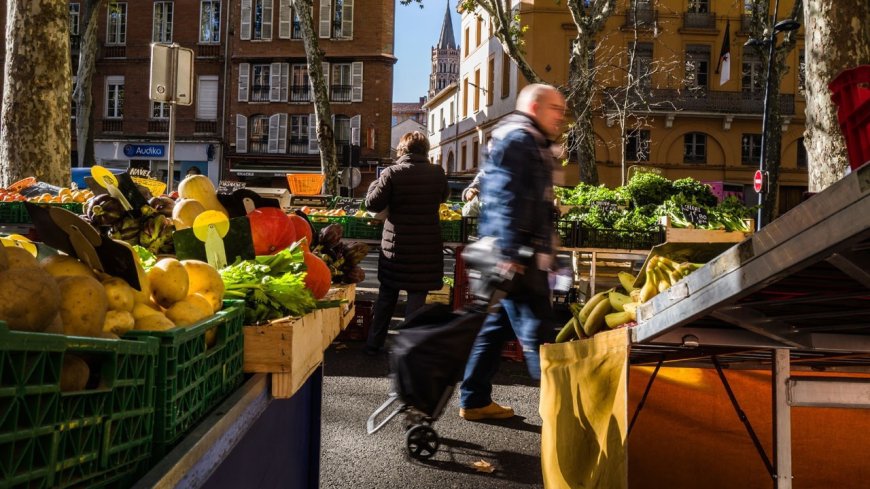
(322, 110)
(580, 87)
(83, 95)
(837, 37)
(35, 120)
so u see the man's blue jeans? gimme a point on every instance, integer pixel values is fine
(528, 313)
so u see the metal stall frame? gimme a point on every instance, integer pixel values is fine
(794, 295)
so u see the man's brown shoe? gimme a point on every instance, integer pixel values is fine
(493, 411)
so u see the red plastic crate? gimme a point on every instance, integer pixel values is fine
(358, 328)
(461, 291)
(850, 90)
(513, 351)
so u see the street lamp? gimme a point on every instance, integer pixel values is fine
(768, 40)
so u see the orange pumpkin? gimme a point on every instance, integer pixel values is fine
(318, 278)
(271, 230)
(303, 229)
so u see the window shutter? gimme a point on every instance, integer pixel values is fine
(273, 134)
(244, 77)
(347, 20)
(356, 78)
(282, 133)
(275, 82)
(285, 81)
(267, 20)
(246, 20)
(355, 123)
(207, 98)
(325, 19)
(313, 147)
(241, 134)
(285, 21)
(325, 68)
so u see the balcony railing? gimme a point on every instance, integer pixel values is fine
(698, 20)
(113, 125)
(260, 145)
(115, 51)
(300, 93)
(259, 93)
(208, 50)
(340, 93)
(205, 127)
(715, 102)
(298, 146)
(158, 125)
(645, 15)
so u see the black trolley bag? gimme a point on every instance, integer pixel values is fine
(431, 349)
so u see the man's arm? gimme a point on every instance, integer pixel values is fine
(473, 189)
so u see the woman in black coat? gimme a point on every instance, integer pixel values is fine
(411, 258)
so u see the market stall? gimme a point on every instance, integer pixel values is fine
(791, 298)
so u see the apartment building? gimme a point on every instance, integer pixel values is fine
(692, 127)
(269, 102)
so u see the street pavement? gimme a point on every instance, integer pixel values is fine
(356, 384)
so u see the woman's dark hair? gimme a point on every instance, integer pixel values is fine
(413, 143)
(194, 170)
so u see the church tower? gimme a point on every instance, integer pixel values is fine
(445, 57)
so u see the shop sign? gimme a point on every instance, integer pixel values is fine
(144, 150)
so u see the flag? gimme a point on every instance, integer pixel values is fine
(724, 66)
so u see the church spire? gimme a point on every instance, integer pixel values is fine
(446, 40)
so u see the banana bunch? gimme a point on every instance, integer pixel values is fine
(661, 274)
(447, 213)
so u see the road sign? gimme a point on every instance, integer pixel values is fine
(758, 181)
(171, 74)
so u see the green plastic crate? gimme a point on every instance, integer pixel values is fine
(320, 222)
(98, 437)
(364, 228)
(451, 231)
(16, 213)
(191, 378)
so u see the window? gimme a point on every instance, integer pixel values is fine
(162, 28)
(452, 113)
(296, 30)
(299, 85)
(505, 75)
(441, 115)
(637, 145)
(477, 90)
(159, 110)
(74, 11)
(802, 74)
(262, 21)
(299, 134)
(432, 124)
(467, 40)
(641, 65)
(260, 87)
(116, 27)
(699, 6)
(115, 97)
(475, 153)
(490, 80)
(258, 139)
(478, 32)
(695, 148)
(341, 82)
(463, 159)
(697, 66)
(801, 154)
(752, 73)
(750, 149)
(207, 98)
(465, 97)
(210, 22)
(336, 19)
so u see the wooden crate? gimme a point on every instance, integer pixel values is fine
(288, 348)
(686, 235)
(346, 310)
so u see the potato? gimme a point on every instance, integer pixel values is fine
(118, 322)
(4, 259)
(74, 373)
(29, 299)
(20, 258)
(169, 282)
(119, 293)
(83, 305)
(189, 311)
(205, 280)
(154, 322)
(65, 265)
(143, 309)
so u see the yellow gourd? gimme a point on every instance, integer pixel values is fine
(185, 212)
(200, 188)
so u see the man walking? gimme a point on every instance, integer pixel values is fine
(517, 186)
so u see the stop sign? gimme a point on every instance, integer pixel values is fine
(757, 180)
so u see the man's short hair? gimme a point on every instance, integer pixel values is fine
(413, 143)
(533, 93)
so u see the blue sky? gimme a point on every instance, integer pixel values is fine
(417, 31)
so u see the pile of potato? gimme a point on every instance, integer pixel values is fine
(61, 294)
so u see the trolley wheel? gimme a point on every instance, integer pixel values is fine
(421, 442)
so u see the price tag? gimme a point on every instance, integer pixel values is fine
(606, 205)
(695, 215)
(156, 187)
(19, 241)
(229, 186)
(349, 205)
(210, 227)
(108, 181)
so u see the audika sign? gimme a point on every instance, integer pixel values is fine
(144, 150)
